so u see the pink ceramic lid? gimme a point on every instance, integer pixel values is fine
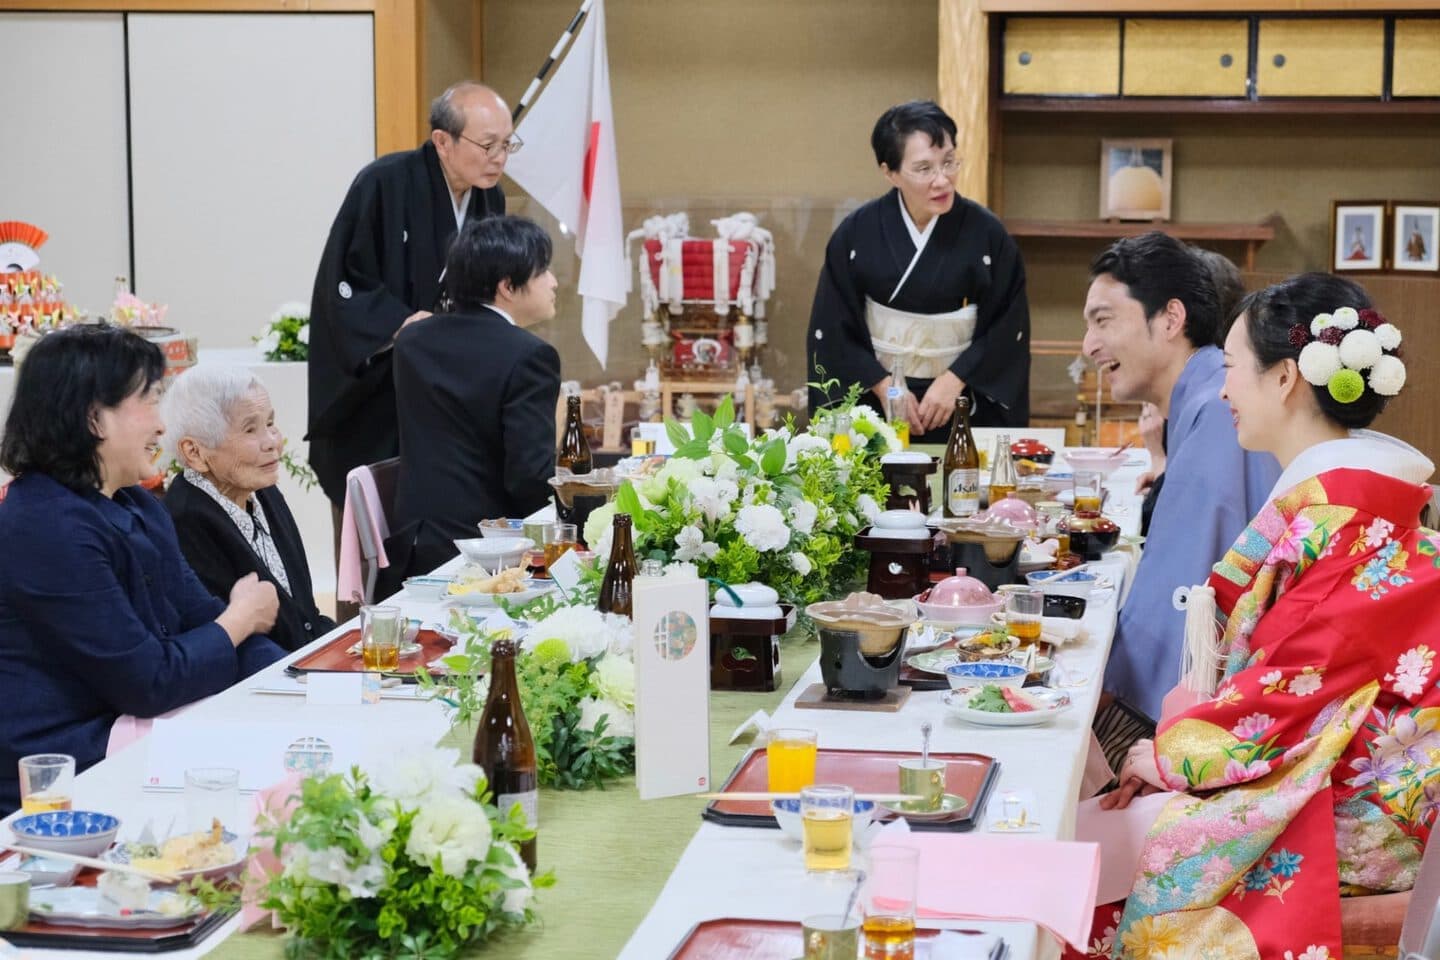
(1013, 509)
(960, 591)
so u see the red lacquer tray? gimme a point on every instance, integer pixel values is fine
(734, 939)
(968, 775)
(334, 658)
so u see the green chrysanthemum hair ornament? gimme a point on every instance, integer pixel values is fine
(1336, 350)
(1346, 385)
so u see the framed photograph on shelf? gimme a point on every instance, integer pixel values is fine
(1135, 179)
(1357, 231)
(1415, 226)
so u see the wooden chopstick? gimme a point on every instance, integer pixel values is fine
(93, 862)
(762, 795)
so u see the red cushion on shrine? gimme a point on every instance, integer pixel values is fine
(1373, 921)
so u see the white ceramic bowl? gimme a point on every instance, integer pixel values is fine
(787, 814)
(494, 553)
(501, 528)
(427, 589)
(1080, 584)
(974, 615)
(1001, 673)
(1103, 461)
(80, 833)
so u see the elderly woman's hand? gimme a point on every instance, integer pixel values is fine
(254, 605)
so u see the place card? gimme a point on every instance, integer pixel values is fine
(336, 688)
(565, 571)
(672, 684)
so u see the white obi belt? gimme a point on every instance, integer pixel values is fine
(929, 342)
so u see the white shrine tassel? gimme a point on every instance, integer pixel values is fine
(1200, 659)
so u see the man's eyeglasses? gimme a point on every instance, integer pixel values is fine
(925, 172)
(492, 150)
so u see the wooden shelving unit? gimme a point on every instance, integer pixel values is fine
(1220, 106)
(1250, 234)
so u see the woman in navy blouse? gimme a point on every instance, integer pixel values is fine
(99, 614)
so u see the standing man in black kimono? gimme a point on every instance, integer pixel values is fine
(381, 271)
(926, 283)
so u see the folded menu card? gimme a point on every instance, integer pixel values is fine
(672, 685)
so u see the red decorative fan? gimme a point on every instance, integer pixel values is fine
(20, 244)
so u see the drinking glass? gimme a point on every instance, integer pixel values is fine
(829, 936)
(211, 793)
(1023, 609)
(640, 445)
(888, 902)
(827, 812)
(380, 629)
(15, 901)
(559, 537)
(790, 759)
(47, 782)
(1088, 490)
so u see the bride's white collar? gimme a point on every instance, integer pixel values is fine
(1362, 450)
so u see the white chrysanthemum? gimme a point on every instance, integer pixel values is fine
(803, 444)
(679, 468)
(270, 342)
(598, 525)
(1387, 376)
(413, 777)
(763, 527)
(293, 308)
(508, 864)
(1389, 336)
(688, 542)
(332, 865)
(801, 563)
(869, 509)
(614, 680)
(1321, 321)
(1360, 349)
(802, 516)
(303, 334)
(619, 721)
(1319, 362)
(1346, 318)
(682, 569)
(582, 628)
(452, 828)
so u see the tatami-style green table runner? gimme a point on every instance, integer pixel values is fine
(611, 852)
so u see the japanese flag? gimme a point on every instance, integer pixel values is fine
(568, 165)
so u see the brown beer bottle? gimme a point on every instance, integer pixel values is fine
(574, 452)
(962, 465)
(504, 748)
(618, 586)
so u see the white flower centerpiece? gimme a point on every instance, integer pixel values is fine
(411, 860)
(287, 335)
(782, 509)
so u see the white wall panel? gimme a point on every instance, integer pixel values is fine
(246, 131)
(62, 166)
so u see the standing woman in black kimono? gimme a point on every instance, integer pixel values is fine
(925, 282)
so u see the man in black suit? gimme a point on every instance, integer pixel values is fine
(475, 393)
(382, 270)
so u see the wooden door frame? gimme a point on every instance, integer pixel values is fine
(399, 112)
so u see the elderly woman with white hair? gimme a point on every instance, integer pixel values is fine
(230, 517)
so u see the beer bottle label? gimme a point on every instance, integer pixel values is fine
(964, 493)
(529, 804)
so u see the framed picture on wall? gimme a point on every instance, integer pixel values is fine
(1415, 226)
(1357, 235)
(1135, 179)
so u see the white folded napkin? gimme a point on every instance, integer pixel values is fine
(950, 945)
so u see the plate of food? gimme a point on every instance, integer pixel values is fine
(211, 854)
(996, 706)
(113, 903)
(478, 589)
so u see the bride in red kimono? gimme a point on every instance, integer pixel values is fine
(1309, 768)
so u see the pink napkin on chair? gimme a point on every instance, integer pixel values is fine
(271, 803)
(1050, 883)
(350, 584)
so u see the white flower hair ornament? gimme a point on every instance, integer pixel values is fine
(1336, 350)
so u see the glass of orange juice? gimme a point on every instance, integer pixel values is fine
(47, 782)
(790, 759)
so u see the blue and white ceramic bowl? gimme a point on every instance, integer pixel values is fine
(428, 589)
(81, 833)
(963, 676)
(787, 814)
(508, 527)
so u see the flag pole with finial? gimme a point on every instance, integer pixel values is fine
(555, 53)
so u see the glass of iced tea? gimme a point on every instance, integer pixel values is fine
(888, 902)
(1088, 490)
(790, 759)
(47, 782)
(380, 629)
(640, 445)
(1023, 609)
(827, 814)
(559, 537)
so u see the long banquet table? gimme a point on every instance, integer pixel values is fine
(635, 876)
